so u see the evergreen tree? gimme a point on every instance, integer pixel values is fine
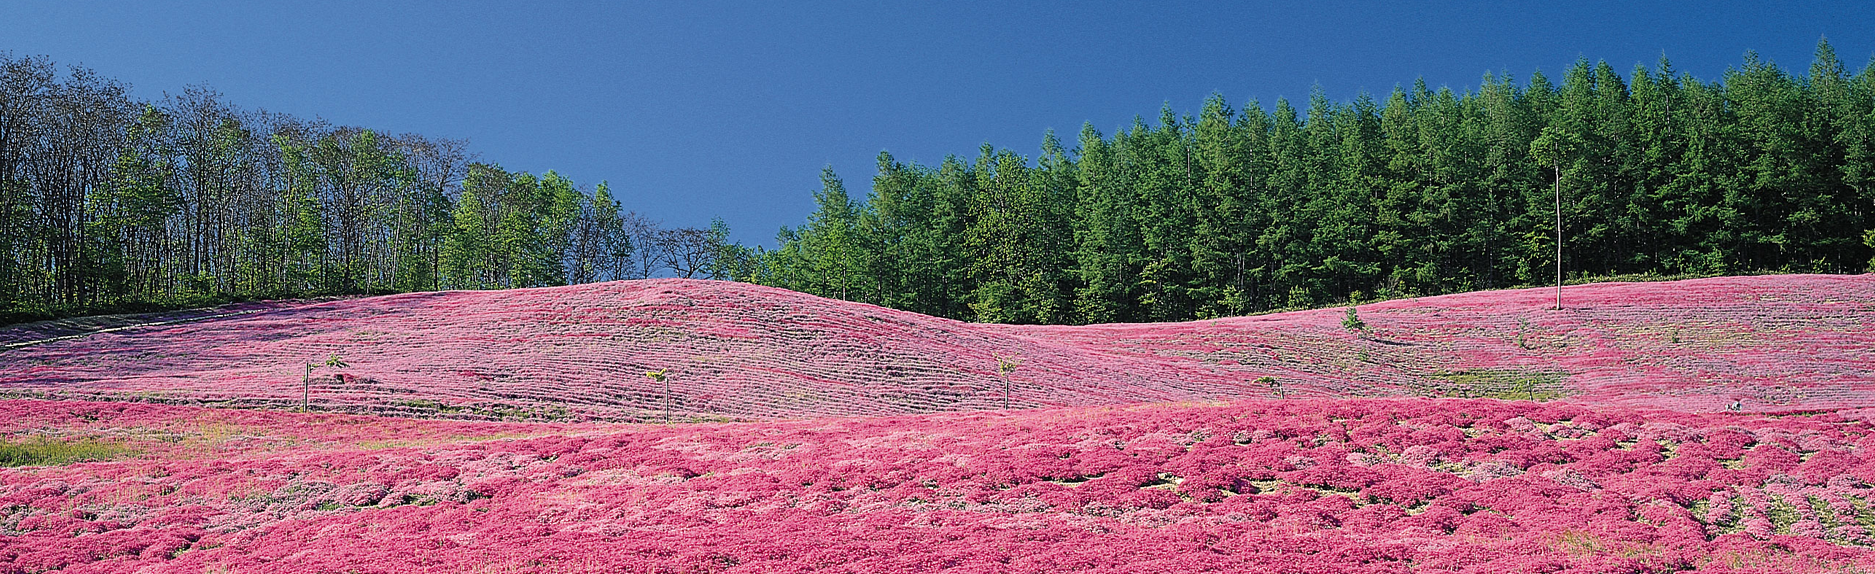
(827, 252)
(1429, 191)
(1108, 247)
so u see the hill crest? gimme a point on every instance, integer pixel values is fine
(740, 351)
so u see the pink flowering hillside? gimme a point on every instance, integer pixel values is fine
(1301, 486)
(739, 351)
(1768, 343)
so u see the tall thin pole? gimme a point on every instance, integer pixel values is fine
(1558, 237)
(305, 389)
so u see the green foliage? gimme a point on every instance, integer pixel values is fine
(1255, 209)
(333, 361)
(439, 409)
(827, 255)
(1352, 321)
(112, 204)
(1006, 364)
(515, 230)
(469, 254)
(1504, 384)
(1553, 146)
(1228, 212)
(1274, 385)
(1868, 238)
(663, 376)
(43, 451)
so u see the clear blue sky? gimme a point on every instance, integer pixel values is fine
(700, 109)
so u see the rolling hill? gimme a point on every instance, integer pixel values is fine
(1632, 462)
(743, 352)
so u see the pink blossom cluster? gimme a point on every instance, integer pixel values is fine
(1299, 485)
(742, 352)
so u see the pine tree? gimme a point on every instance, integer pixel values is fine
(827, 255)
(1222, 240)
(1106, 237)
(902, 227)
(1839, 124)
(1431, 191)
(1168, 215)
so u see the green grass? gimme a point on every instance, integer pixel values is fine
(1506, 384)
(52, 452)
(432, 408)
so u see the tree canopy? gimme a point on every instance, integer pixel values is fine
(108, 203)
(1422, 192)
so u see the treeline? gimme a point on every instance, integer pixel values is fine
(1423, 192)
(111, 203)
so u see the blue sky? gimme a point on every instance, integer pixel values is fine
(700, 109)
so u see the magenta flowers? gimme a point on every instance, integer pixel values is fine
(1769, 344)
(816, 435)
(1297, 485)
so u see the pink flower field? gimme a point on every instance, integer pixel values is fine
(1715, 425)
(1300, 485)
(744, 352)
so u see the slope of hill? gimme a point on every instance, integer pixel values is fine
(738, 351)
(1302, 485)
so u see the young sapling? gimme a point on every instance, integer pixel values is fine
(305, 399)
(1352, 322)
(1004, 365)
(662, 376)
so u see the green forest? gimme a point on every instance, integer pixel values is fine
(108, 203)
(1426, 191)
(112, 204)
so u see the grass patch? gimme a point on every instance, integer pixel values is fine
(425, 408)
(1782, 516)
(52, 452)
(1579, 544)
(1505, 384)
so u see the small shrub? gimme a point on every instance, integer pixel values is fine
(1274, 385)
(1353, 322)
